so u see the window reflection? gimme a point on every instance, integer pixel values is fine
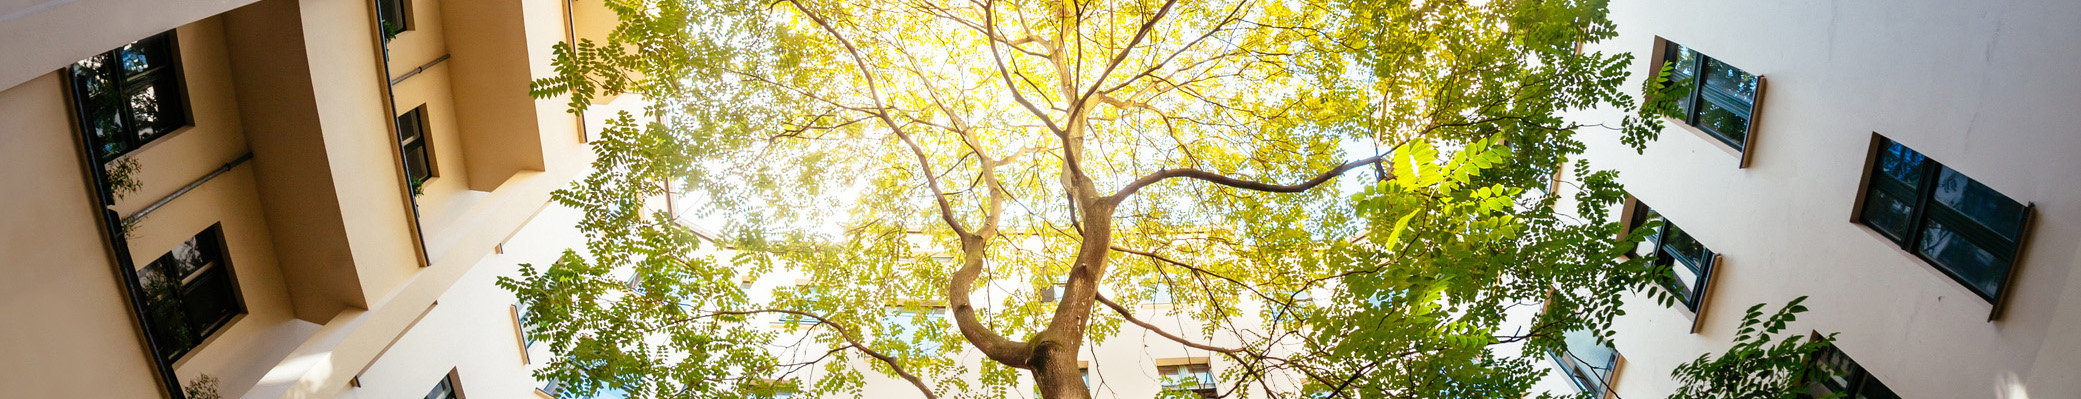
(1968, 262)
(1901, 164)
(1979, 203)
(1972, 232)
(1721, 103)
(129, 96)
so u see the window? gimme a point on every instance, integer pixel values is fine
(1053, 293)
(1845, 377)
(189, 293)
(1586, 363)
(555, 389)
(525, 324)
(129, 96)
(1671, 245)
(1161, 294)
(1196, 378)
(411, 137)
(1721, 104)
(395, 15)
(1964, 228)
(906, 322)
(808, 292)
(446, 389)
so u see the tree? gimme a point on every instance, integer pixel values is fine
(1394, 156)
(1757, 367)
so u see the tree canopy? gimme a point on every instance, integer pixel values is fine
(1356, 194)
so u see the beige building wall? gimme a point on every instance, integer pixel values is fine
(59, 266)
(1986, 88)
(321, 231)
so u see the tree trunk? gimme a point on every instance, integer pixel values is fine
(1055, 371)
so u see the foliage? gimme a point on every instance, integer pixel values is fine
(418, 185)
(122, 177)
(203, 387)
(968, 155)
(1757, 367)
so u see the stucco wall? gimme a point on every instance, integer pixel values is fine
(68, 323)
(1982, 87)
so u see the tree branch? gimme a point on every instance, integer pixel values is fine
(850, 341)
(1217, 178)
(1129, 315)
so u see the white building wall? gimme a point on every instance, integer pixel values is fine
(471, 329)
(1986, 88)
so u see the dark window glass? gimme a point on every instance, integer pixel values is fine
(1585, 362)
(444, 389)
(1731, 124)
(1888, 213)
(1900, 164)
(1980, 269)
(1721, 104)
(392, 15)
(1982, 205)
(129, 96)
(411, 136)
(1671, 245)
(189, 293)
(1843, 376)
(1964, 228)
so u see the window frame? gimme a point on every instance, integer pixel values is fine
(171, 77)
(1665, 51)
(418, 144)
(1925, 210)
(1636, 214)
(913, 320)
(1208, 388)
(453, 385)
(1855, 380)
(220, 268)
(1562, 363)
(402, 11)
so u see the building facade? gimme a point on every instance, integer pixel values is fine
(293, 198)
(1898, 163)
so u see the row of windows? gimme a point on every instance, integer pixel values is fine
(1959, 226)
(132, 95)
(1956, 224)
(1590, 367)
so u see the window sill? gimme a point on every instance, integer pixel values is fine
(1928, 266)
(1704, 292)
(220, 332)
(1740, 156)
(156, 141)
